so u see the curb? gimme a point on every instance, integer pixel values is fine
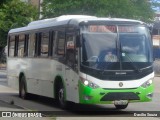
(3, 68)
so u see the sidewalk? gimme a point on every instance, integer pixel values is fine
(5, 89)
(6, 106)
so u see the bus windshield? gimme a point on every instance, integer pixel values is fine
(109, 47)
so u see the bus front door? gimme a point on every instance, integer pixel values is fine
(70, 70)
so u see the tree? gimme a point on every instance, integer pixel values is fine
(13, 14)
(135, 9)
(3, 2)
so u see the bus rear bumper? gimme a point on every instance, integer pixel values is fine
(88, 95)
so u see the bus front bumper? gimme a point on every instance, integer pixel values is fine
(88, 95)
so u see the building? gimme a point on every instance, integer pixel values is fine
(36, 3)
(33, 2)
(157, 16)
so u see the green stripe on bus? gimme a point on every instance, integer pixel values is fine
(96, 94)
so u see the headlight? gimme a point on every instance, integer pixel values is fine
(147, 83)
(88, 83)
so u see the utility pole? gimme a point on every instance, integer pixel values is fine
(36, 3)
(40, 8)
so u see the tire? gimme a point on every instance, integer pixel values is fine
(121, 106)
(22, 88)
(61, 97)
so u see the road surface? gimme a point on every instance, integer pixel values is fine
(48, 107)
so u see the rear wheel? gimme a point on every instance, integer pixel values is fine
(22, 88)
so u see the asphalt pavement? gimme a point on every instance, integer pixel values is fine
(7, 95)
(9, 108)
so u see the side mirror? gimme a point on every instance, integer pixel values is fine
(150, 27)
(78, 42)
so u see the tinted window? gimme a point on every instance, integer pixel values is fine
(31, 45)
(21, 45)
(11, 46)
(60, 43)
(44, 44)
(26, 45)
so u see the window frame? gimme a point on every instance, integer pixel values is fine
(9, 44)
(41, 38)
(58, 37)
(19, 40)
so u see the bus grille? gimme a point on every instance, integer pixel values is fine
(120, 96)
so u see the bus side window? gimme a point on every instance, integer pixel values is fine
(60, 43)
(21, 45)
(51, 43)
(11, 46)
(31, 47)
(16, 45)
(38, 44)
(26, 45)
(44, 44)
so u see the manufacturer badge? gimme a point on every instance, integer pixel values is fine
(120, 84)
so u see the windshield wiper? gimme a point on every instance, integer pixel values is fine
(132, 63)
(130, 60)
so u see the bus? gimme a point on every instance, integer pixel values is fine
(82, 59)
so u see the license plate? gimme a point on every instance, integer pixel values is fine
(121, 102)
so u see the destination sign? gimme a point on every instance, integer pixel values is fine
(111, 28)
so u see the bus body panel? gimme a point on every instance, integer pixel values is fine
(110, 84)
(40, 75)
(108, 96)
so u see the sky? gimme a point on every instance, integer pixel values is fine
(158, 3)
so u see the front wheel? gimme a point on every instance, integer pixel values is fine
(61, 97)
(121, 106)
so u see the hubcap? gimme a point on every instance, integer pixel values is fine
(61, 95)
(23, 92)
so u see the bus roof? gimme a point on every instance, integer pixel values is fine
(66, 19)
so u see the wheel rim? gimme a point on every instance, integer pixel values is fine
(23, 92)
(61, 96)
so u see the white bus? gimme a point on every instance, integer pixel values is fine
(82, 59)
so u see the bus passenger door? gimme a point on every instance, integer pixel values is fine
(70, 70)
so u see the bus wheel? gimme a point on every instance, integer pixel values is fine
(22, 89)
(121, 106)
(61, 97)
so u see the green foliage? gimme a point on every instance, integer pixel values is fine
(13, 14)
(134, 9)
(3, 2)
